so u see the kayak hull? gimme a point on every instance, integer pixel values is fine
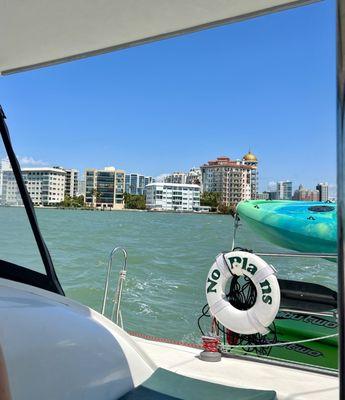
(309, 227)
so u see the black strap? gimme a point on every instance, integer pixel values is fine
(47, 261)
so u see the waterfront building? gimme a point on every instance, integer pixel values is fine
(232, 179)
(148, 180)
(194, 177)
(135, 183)
(105, 188)
(263, 196)
(46, 186)
(176, 177)
(81, 187)
(272, 190)
(304, 194)
(284, 190)
(250, 160)
(127, 183)
(4, 166)
(10, 195)
(172, 197)
(323, 191)
(71, 181)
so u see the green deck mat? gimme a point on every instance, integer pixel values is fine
(166, 385)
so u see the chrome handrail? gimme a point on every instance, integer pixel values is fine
(118, 293)
(332, 314)
(305, 255)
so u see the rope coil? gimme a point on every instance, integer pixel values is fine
(210, 343)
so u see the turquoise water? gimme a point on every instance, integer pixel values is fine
(169, 256)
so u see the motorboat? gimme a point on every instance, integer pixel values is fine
(55, 348)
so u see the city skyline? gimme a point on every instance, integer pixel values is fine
(263, 186)
(174, 104)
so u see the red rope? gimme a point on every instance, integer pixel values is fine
(210, 344)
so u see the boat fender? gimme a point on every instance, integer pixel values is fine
(257, 318)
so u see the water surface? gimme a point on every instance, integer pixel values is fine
(169, 258)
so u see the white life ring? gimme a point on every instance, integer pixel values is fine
(257, 318)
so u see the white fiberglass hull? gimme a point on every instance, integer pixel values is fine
(55, 348)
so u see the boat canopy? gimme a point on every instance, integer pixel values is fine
(36, 33)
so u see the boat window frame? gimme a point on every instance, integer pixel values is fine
(18, 273)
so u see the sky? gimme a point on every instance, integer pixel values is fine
(267, 84)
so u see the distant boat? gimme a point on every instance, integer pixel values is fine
(296, 225)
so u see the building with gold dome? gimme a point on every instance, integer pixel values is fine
(250, 157)
(251, 160)
(235, 180)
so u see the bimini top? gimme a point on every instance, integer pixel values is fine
(35, 33)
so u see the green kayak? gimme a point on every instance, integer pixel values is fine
(294, 327)
(303, 226)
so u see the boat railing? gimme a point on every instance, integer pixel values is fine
(302, 255)
(332, 313)
(116, 315)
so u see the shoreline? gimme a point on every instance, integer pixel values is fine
(124, 209)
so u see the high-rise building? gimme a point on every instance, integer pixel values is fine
(284, 190)
(176, 177)
(46, 186)
(148, 180)
(135, 183)
(172, 197)
(71, 185)
(231, 179)
(4, 166)
(194, 177)
(272, 190)
(71, 181)
(263, 196)
(10, 195)
(323, 191)
(105, 188)
(250, 160)
(304, 194)
(81, 188)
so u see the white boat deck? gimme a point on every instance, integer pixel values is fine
(289, 383)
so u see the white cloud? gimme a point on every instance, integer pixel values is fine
(31, 161)
(160, 178)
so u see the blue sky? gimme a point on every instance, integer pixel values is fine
(267, 84)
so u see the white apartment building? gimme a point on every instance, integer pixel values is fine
(71, 181)
(46, 186)
(284, 190)
(176, 177)
(9, 190)
(194, 176)
(172, 197)
(4, 166)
